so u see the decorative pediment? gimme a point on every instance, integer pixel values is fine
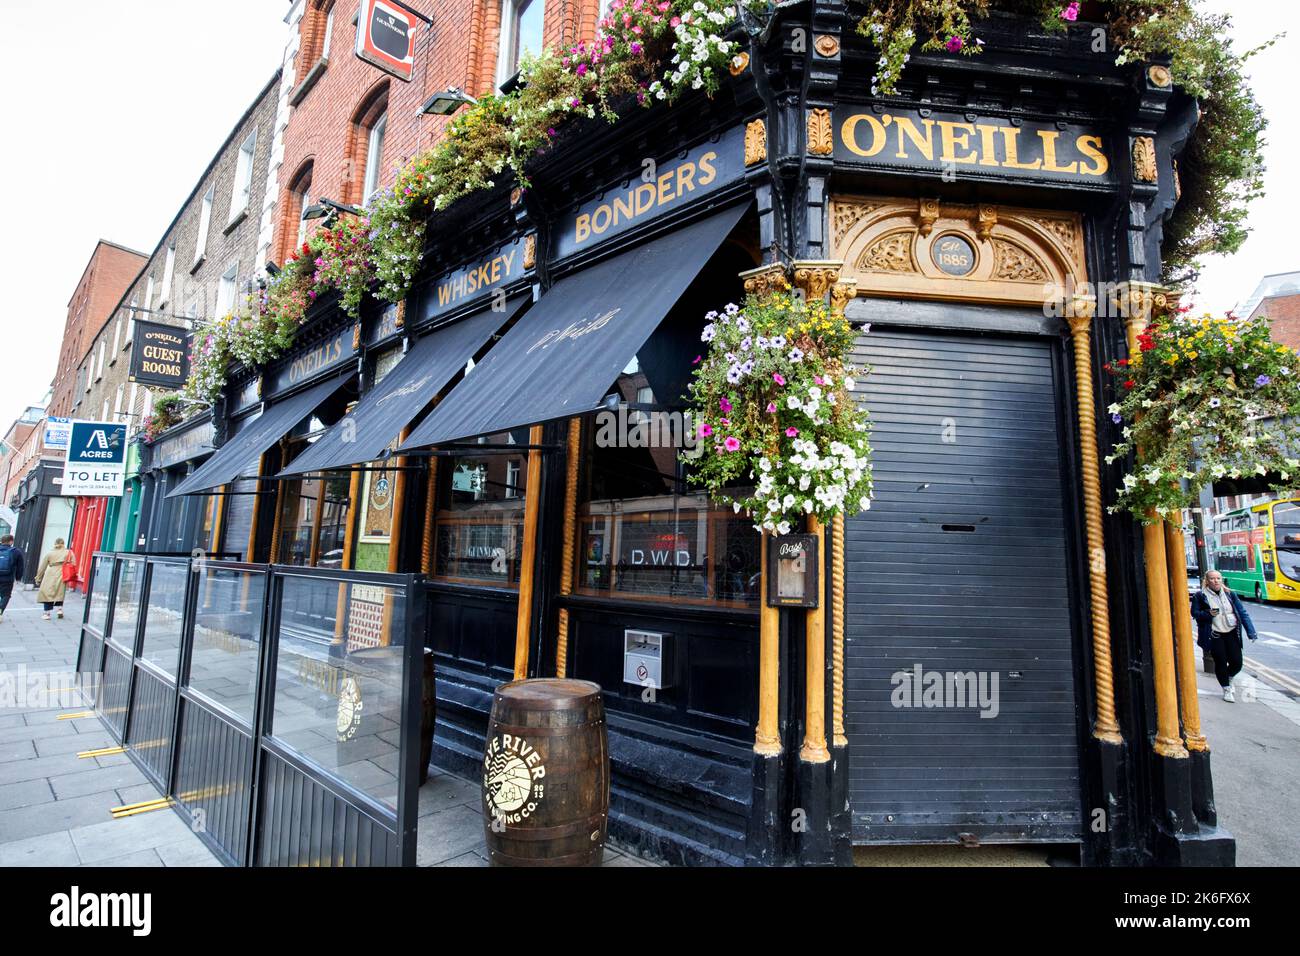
(976, 252)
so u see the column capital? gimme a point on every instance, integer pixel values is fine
(1079, 312)
(765, 279)
(816, 276)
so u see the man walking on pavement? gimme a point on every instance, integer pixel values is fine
(11, 570)
(1220, 617)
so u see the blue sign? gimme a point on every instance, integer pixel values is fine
(658, 188)
(57, 432)
(475, 281)
(96, 461)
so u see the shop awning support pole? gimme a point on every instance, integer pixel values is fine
(528, 563)
(1105, 727)
(1167, 742)
(570, 532)
(814, 736)
(430, 510)
(767, 737)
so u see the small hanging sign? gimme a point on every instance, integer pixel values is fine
(793, 577)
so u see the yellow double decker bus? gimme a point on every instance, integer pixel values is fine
(1257, 549)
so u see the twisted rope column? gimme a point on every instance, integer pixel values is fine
(1105, 726)
(430, 521)
(570, 532)
(1184, 640)
(838, 737)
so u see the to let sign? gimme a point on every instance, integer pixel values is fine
(96, 461)
(961, 144)
(160, 355)
(386, 36)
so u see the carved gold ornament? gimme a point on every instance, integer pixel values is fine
(530, 250)
(401, 315)
(826, 45)
(845, 214)
(842, 293)
(516, 194)
(891, 253)
(1015, 264)
(765, 280)
(821, 141)
(816, 276)
(1159, 75)
(356, 336)
(1144, 160)
(988, 218)
(739, 63)
(927, 214)
(755, 142)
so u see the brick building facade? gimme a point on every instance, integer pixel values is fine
(110, 271)
(341, 108)
(1278, 297)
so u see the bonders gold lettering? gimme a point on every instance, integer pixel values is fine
(640, 200)
(998, 144)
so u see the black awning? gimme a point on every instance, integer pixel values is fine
(238, 457)
(367, 431)
(561, 358)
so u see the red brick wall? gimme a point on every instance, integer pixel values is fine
(108, 274)
(1284, 312)
(328, 125)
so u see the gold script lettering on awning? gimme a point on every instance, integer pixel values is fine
(982, 144)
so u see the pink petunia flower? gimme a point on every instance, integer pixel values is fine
(791, 432)
(732, 444)
(778, 378)
(771, 408)
(724, 404)
(705, 429)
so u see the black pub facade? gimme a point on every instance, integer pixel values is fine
(991, 657)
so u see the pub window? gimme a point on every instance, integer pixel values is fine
(313, 513)
(479, 519)
(130, 324)
(299, 191)
(521, 33)
(643, 533)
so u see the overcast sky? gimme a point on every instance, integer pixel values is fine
(113, 128)
(113, 116)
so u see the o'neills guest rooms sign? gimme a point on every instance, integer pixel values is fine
(657, 189)
(960, 144)
(329, 355)
(160, 355)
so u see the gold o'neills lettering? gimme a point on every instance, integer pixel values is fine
(636, 202)
(315, 360)
(985, 144)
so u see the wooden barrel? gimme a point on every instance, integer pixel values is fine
(546, 774)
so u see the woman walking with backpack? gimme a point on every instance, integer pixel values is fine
(58, 567)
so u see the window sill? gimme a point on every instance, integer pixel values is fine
(235, 220)
(308, 81)
(198, 262)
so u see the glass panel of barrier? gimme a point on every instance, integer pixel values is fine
(126, 610)
(97, 617)
(338, 683)
(165, 616)
(227, 638)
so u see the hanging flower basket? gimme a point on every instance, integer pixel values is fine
(1205, 399)
(772, 405)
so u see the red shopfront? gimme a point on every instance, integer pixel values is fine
(87, 533)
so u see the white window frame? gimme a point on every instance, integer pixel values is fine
(130, 324)
(117, 339)
(103, 415)
(99, 368)
(374, 156)
(227, 290)
(117, 402)
(205, 223)
(148, 294)
(169, 269)
(130, 408)
(329, 33)
(510, 10)
(242, 192)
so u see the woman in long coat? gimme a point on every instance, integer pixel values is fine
(50, 574)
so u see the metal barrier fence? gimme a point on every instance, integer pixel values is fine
(277, 707)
